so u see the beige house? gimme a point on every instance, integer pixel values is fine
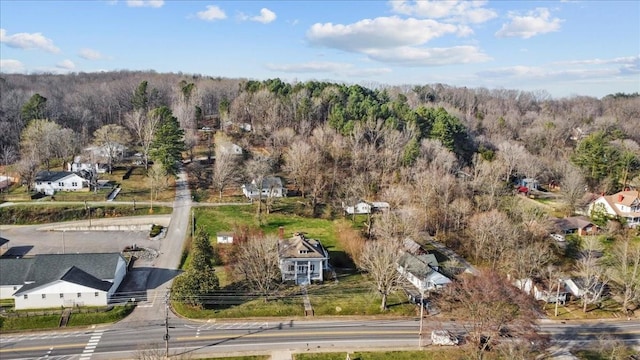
(302, 260)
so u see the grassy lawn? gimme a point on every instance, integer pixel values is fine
(428, 354)
(115, 314)
(573, 311)
(248, 357)
(30, 323)
(39, 322)
(25, 214)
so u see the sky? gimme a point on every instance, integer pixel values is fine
(566, 48)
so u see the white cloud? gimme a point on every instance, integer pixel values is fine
(413, 56)
(90, 54)
(145, 3)
(266, 16)
(28, 41)
(211, 14)
(66, 65)
(450, 10)
(628, 60)
(341, 69)
(397, 41)
(382, 32)
(9, 66)
(569, 71)
(534, 23)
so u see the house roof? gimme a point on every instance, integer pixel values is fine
(77, 276)
(46, 176)
(268, 182)
(412, 247)
(626, 198)
(300, 247)
(14, 271)
(47, 268)
(224, 233)
(421, 266)
(573, 222)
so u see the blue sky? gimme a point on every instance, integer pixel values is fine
(564, 47)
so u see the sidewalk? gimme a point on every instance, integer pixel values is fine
(281, 355)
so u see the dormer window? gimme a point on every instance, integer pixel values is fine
(304, 251)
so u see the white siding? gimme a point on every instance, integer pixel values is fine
(6, 291)
(48, 296)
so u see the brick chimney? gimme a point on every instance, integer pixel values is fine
(620, 197)
(281, 232)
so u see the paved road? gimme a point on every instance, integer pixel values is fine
(266, 336)
(160, 274)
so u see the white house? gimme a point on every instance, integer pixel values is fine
(5, 182)
(364, 207)
(48, 182)
(556, 293)
(14, 272)
(421, 271)
(63, 280)
(302, 260)
(228, 148)
(224, 237)
(625, 204)
(271, 187)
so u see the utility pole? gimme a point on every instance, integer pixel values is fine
(166, 325)
(558, 295)
(421, 317)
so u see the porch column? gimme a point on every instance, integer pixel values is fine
(309, 271)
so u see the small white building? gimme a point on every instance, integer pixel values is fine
(62, 280)
(271, 187)
(227, 148)
(364, 207)
(48, 182)
(302, 260)
(224, 237)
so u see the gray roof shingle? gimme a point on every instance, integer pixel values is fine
(14, 271)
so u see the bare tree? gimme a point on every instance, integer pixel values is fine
(625, 269)
(299, 162)
(493, 234)
(572, 187)
(8, 154)
(143, 125)
(257, 169)
(27, 168)
(256, 262)
(158, 181)
(225, 172)
(592, 271)
(490, 306)
(39, 139)
(379, 259)
(112, 138)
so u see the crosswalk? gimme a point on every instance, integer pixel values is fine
(91, 345)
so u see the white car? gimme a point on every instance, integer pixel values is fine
(443, 337)
(558, 237)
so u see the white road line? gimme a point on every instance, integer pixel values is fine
(91, 345)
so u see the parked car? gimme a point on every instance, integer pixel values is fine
(558, 237)
(443, 337)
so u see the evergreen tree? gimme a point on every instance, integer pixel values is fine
(168, 143)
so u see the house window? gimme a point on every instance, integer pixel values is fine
(15, 288)
(312, 267)
(61, 184)
(302, 269)
(95, 294)
(74, 184)
(79, 294)
(25, 296)
(61, 296)
(44, 296)
(304, 251)
(292, 267)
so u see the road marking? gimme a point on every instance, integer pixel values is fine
(91, 345)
